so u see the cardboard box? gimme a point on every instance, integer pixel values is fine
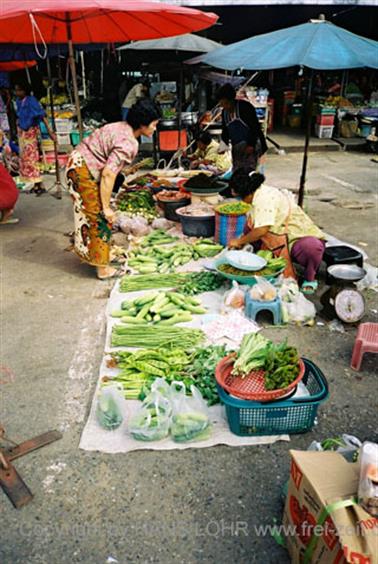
(323, 523)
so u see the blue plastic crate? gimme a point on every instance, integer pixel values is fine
(287, 416)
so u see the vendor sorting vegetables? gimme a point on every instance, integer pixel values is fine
(207, 156)
(91, 172)
(241, 127)
(281, 225)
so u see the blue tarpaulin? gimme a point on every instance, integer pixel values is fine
(317, 44)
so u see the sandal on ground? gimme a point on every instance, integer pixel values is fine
(115, 274)
(309, 287)
(10, 221)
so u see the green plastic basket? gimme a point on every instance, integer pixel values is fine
(287, 416)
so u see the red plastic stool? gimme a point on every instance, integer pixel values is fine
(366, 341)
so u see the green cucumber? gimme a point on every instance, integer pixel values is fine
(132, 320)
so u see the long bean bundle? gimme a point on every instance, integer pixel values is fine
(189, 283)
(148, 281)
(155, 336)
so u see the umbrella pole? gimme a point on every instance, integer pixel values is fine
(58, 184)
(180, 107)
(71, 61)
(302, 181)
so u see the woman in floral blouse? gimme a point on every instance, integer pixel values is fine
(91, 172)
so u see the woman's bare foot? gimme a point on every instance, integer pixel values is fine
(6, 217)
(105, 272)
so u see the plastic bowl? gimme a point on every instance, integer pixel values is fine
(245, 261)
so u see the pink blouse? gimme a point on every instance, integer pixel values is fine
(112, 146)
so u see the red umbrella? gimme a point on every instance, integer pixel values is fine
(8, 66)
(95, 21)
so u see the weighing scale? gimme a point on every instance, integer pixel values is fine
(342, 299)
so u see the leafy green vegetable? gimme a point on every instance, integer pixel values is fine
(202, 370)
(251, 355)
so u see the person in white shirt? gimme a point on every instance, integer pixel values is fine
(137, 92)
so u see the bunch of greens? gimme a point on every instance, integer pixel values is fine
(198, 282)
(281, 366)
(202, 370)
(251, 355)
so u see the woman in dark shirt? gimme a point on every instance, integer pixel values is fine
(241, 127)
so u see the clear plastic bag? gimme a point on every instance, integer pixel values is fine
(190, 419)
(368, 484)
(295, 307)
(347, 445)
(301, 310)
(139, 227)
(162, 223)
(109, 407)
(153, 419)
(263, 290)
(235, 297)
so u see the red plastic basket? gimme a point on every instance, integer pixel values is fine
(252, 386)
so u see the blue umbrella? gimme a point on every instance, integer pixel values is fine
(317, 44)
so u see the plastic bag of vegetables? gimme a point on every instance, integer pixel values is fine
(109, 407)
(190, 419)
(153, 419)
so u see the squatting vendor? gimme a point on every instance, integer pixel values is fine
(281, 226)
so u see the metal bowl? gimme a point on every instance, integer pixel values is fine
(347, 272)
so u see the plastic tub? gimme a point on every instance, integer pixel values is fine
(170, 208)
(75, 137)
(201, 226)
(291, 415)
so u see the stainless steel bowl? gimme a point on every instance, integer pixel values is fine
(347, 272)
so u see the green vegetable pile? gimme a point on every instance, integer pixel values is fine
(202, 370)
(279, 362)
(138, 370)
(198, 282)
(233, 208)
(189, 283)
(139, 203)
(157, 237)
(155, 336)
(162, 308)
(281, 366)
(162, 258)
(139, 282)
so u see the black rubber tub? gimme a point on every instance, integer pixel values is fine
(201, 226)
(170, 208)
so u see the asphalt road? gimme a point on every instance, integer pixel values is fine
(192, 506)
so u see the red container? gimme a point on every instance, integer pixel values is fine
(172, 140)
(62, 158)
(251, 386)
(325, 119)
